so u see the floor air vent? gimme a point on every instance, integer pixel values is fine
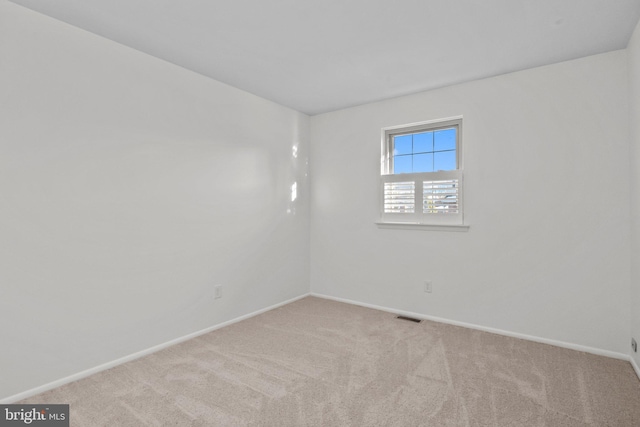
(410, 319)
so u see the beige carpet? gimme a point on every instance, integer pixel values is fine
(323, 363)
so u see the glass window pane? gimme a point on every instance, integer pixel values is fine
(423, 162)
(445, 139)
(445, 161)
(402, 164)
(402, 145)
(423, 142)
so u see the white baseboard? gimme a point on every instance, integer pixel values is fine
(571, 346)
(635, 366)
(137, 355)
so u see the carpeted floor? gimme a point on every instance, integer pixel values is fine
(322, 363)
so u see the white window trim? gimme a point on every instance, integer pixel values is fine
(423, 227)
(419, 220)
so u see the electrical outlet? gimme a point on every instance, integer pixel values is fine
(217, 292)
(428, 286)
(634, 345)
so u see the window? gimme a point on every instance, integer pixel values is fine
(421, 176)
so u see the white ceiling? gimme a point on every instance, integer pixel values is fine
(323, 55)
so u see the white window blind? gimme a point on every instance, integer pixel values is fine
(400, 197)
(439, 197)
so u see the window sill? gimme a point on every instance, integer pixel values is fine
(423, 227)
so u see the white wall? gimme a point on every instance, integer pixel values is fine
(546, 187)
(128, 188)
(633, 50)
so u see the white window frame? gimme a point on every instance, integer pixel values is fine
(453, 221)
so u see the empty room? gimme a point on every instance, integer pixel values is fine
(320, 213)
